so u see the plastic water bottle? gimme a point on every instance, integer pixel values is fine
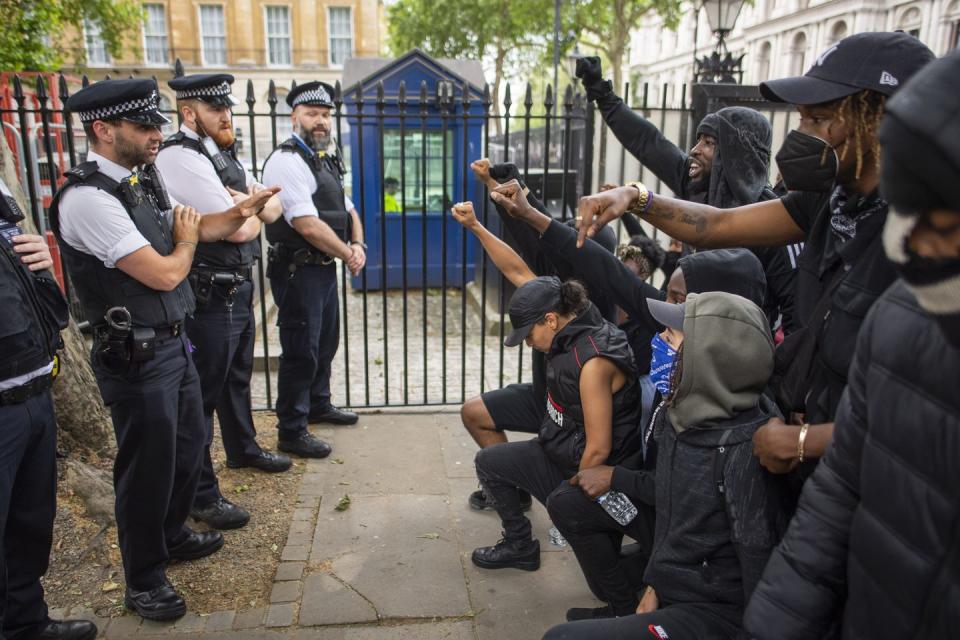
(556, 538)
(618, 506)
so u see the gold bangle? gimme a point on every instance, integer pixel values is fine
(643, 198)
(802, 440)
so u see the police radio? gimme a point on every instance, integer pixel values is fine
(214, 153)
(153, 185)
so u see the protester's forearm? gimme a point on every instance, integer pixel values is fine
(818, 439)
(593, 456)
(506, 259)
(689, 222)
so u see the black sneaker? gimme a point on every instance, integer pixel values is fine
(586, 613)
(221, 514)
(478, 501)
(305, 445)
(508, 554)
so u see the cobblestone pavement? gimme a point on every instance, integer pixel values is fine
(395, 563)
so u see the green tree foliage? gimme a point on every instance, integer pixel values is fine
(34, 30)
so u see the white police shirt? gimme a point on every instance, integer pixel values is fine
(191, 178)
(298, 184)
(94, 222)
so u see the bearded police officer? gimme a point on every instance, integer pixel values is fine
(200, 169)
(128, 249)
(34, 311)
(316, 228)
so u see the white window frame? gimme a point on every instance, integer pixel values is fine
(203, 49)
(86, 48)
(330, 37)
(266, 36)
(166, 37)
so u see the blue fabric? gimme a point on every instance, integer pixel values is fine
(661, 364)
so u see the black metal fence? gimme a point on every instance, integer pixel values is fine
(418, 344)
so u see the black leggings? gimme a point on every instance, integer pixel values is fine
(675, 622)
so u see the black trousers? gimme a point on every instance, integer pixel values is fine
(504, 468)
(157, 412)
(672, 622)
(308, 314)
(223, 334)
(596, 539)
(28, 495)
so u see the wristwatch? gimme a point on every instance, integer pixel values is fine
(644, 199)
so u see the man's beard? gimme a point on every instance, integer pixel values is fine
(317, 138)
(699, 185)
(129, 153)
(223, 137)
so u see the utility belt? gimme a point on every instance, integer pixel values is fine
(27, 390)
(279, 254)
(204, 279)
(119, 344)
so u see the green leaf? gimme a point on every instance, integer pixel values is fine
(344, 504)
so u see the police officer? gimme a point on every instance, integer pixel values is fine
(200, 169)
(33, 314)
(128, 249)
(316, 228)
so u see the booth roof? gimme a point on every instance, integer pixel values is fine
(362, 69)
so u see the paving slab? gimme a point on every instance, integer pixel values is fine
(461, 630)
(328, 601)
(399, 551)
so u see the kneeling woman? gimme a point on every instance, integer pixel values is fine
(593, 399)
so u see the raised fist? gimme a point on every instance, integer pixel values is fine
(588, 70)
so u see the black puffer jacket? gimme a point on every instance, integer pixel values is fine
(874, 549)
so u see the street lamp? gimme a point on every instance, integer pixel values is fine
(721, 66)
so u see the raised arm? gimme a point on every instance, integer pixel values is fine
(508, 262)
(755, 225)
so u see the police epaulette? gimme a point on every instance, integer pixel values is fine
(83, 170)
(177, 138)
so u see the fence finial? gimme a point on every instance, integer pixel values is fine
(528, 98)
(507, 100)
(41, 89)
(251, 100)
(62, 91)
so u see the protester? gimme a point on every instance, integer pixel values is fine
(831, 166)
(592, 399)
(874, 549)
(718, 512)
(729, 166)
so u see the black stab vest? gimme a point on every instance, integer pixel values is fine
(99, 287)
(221, 254)
(562, 432)
(328, 199)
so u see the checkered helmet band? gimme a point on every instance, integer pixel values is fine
(150, 103)
(216, 90)
(313, 96)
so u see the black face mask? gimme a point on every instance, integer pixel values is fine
(807, 163)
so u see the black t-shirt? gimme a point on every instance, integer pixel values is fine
(868, 274)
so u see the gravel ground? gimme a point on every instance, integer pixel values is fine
(472, 364)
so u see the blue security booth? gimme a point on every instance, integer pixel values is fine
(425, 148)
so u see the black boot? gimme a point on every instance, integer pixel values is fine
(333, 415)
(161, 603)
(305, 445)
(66, 630)
(199, 544)
(479, 501)
(517, 554)
(221, 514)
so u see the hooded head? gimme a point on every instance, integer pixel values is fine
(740, 167)
(726, 359)
(736, 271)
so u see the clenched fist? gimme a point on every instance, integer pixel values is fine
(464, 214)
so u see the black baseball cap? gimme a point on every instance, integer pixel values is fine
(529, 304)
(213, 88)
(667, 313)
(133, 100)
(880, 61)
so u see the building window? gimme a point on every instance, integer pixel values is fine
(97, 54)
(837, 32)
(798, 55)
(341, 35)
(213, 34)
(155, 34)
(763, 62)
(278, 36)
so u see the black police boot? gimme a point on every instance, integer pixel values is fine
(596, 613)
(198, 544)
(65, 630)
(221, 514)
(478, 501)
(264, 461)
(161, 603)
(333, 415)
(305, 445)
(522, 554)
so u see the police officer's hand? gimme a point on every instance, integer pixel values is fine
(33, 251)
(186, 224)
(776, 445)
(239, 196)
(598, 210)
(649, 602)
(464, 214)
(355, 259)
(594, 481)
(511, 197)
(481, 169)
(252, 205)
(589, 69)
(360, 256)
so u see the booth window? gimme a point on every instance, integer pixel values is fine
(437, 198)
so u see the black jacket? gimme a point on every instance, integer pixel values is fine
(874, 549)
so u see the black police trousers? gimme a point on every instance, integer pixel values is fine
(222, 334)
(308, 314)
(596, 539)
(28, 495)
(669, 622)
(157, 413)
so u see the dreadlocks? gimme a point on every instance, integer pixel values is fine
(862, 111)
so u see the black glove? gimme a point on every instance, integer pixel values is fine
(505, 173)
(590, 73)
